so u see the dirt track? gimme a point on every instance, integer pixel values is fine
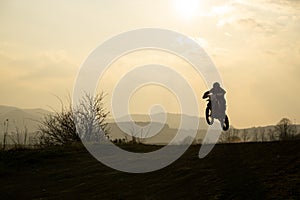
(232, 171)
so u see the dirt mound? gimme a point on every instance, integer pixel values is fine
(230, 171)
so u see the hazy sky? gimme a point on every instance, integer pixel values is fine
(254, 44)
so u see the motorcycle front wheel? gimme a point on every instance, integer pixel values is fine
(209, 118)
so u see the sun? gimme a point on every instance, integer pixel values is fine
(187, 8)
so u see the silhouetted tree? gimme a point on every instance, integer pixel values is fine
(245, 136)
(134, 134)
(285, 129)
(139, 134)
(262, 134)
(272, 135)
(297, 137)
(255, 134)
(229, 136)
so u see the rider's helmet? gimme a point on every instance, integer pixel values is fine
(216, 85)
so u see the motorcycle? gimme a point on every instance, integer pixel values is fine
(218, 111)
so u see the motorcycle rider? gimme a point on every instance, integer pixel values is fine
(217, 93)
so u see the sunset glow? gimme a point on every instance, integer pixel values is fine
(187, 8)
(254, 45)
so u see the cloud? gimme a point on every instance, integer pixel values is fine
(258, 13)
(51, 65)
(269, 6)
(256, 25)
(36, 65)
(34, 73)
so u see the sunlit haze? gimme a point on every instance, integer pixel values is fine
(255, 46)
(187, 8)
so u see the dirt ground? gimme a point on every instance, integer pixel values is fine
(230, 171)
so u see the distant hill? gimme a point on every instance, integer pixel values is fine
(261, 133)
(172, 119)
(30, 118)
(20, 118)
(164, 136)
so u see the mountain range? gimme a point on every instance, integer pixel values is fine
(21, 118)
(18, 118)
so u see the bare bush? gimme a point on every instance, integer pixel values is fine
(58, 128)
(84, 122)
(90, 118)
(19, 137)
